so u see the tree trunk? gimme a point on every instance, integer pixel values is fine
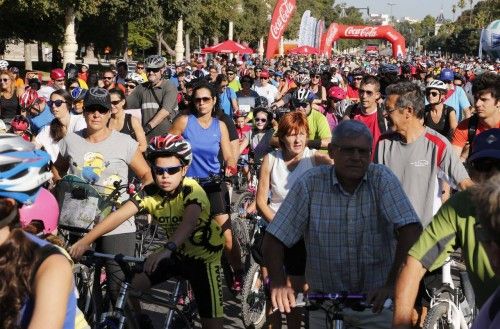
(188, 48)
(170, 51)
(40, 51)
(28, 63)
(70, 46)
(158, 39)
(125, 41)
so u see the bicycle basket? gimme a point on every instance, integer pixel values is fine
(80, 204)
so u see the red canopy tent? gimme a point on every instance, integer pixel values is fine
(304, 50)
(228, 46)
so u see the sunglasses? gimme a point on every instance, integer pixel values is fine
(300, 105)
(4, 80)
(116, 102)
(358, 78)
(140, 67)
(351, 151)
(367, 92)
(230, 73)
(264, 78)
(432, 93)
(169, 170)
(315, 76)
(130, 86)
(60, 80)
(485, 166)
(108, 78)
(57, 103)
(260, 120)
(153, 70)
(200, 100)
(92, 109)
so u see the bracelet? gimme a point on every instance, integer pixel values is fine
(147, 128)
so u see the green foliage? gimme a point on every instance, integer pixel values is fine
(252, 23)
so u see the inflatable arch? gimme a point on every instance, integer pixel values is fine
(284, 10)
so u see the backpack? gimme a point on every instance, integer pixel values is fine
(355, 109)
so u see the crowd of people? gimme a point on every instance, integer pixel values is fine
(372, 171)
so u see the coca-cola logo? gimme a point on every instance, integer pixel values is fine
(364, 32)
(284, 12)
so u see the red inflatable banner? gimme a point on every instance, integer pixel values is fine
(281, 17)
(338, 31)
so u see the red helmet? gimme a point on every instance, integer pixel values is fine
(57, 74)
(28, 98)
(19, 123)
(336, 93)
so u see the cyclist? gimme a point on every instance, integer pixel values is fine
(438, 116)
(36, 286)
(452, 227)
(355, 77)
(456, 96)
(357, 224)
(194, 242)
(58, 77)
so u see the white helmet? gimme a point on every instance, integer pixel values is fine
(4, 64)
(135, 78)
(438, 85)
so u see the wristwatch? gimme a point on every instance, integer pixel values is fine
(170, 245)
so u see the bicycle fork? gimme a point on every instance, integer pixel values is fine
(119, 312)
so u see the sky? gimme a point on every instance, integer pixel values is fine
(417, 9)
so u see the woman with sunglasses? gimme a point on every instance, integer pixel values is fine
(316, 86)
(101, 156)
(194, 242)
(64, 122)
(9, 101)
(438, 116)
(125, 122)
(209, 136)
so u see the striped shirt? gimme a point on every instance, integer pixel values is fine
(350, 238)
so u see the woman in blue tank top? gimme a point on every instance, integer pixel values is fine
(208, 136)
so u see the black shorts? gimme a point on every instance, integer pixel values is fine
(218, 196)
(205, 279)
(295, 259)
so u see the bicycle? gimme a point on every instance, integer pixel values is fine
(121, 314)
(333, 304)
(451, 306)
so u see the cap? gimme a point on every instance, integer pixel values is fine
(264, 74)
(97, 96)
(45, 91)
(486, 145)
(86, 65)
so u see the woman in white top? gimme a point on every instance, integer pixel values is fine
(279, 171)
(64, 121)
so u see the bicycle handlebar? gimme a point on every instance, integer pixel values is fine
(119, 258)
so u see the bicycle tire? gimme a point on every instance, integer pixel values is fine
(241, 233)
(253, 309)
(242, 202)
(436, 318)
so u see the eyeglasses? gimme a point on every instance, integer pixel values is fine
(315, 76)
(485, 165)
(200, 100)
(169, 170)
(156, 70)
(298, 105)
(484, 235)
(116, 102)
(230, 73)
(432, 93)
(260, 120)
(264, 78)
(108, 78)
(93, 109)
(389, 111)
(351, 151)
(4, 80)
(60, 80)
(358, 78)
(140, 67)
(57, 103)
(458, 84)
(368, 93)
(131, 86)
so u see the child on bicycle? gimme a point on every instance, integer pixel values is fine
(195, 242)
(244, 132)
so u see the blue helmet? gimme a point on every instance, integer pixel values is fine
(388, 69)
(446, 75)
(22, 170)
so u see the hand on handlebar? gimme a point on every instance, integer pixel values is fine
(378, 297)
(78, 249)
(152, 261)
(283, 298)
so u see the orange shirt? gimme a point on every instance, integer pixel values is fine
(461, 135)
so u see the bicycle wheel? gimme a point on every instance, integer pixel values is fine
(240, 229)
(437, 318)
(241, 204)
(253, 309)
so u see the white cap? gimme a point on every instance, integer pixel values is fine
(45, 92)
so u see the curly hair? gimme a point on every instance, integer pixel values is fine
(12, 90)
(17, 256)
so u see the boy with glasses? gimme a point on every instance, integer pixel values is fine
(451, 228)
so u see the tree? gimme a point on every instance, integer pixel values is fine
(252, 27)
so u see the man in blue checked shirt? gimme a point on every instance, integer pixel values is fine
(357, 223)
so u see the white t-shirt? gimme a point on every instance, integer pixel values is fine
(43, 139)
(268, 91)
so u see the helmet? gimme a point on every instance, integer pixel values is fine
(78, 94)
(302, 95)
(154, 62)
(261, 102)
(240, 113)
(469, 67)
(357, 72)
(23, 172)
(19, 123)
(388, 69)
(28, 98)
(12, 143)
(446, 75)
(135, 78)
(316, 71)
(71, 71)
(44, 209)
(168, 73)
(168, 145)
(437, 84)
(57, 74)
(303, 78)
(336, 93)
(4, 64)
